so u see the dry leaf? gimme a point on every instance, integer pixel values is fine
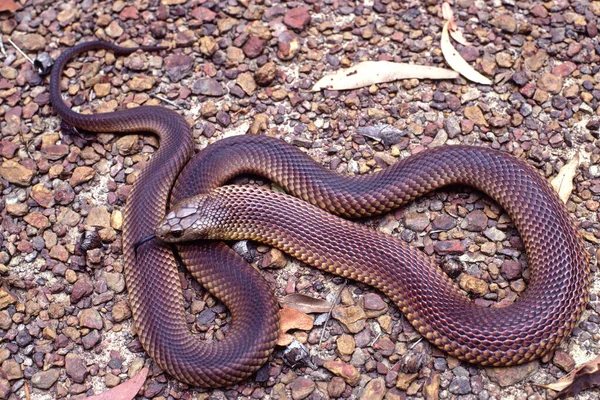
(125, 391)
(458, 63)
(305, 303)
(582, 378)
(8, 5)
(563, 181)
(448, 15)
(368, 73)
(290, 318)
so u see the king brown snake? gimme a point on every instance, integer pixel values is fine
(535, 324)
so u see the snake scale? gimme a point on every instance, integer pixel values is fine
(544, 315)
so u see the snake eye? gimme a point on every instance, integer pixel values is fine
(177, 233)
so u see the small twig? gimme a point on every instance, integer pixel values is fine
(2, 49)
(374, 340)
(333, 304)
(166, 101)
(415, 343)
(21, 51)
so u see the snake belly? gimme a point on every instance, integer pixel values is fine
(543, 316)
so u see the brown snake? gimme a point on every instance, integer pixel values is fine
(543, 316)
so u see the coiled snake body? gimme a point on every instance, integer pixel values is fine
(535, 324)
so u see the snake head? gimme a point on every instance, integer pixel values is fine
(192, 219)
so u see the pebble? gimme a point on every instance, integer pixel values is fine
(473, 285)
(45, 379)
(375, 390)
(297, 18)
(509, 376)
(90, 318)
(253, 47)
(178, 66)
(475, 221)
(301, 388)
(416, 221)
(75, 368)
(346, 371)
(266, 74)
(549, 82)
(16, 173)
(207, 87)
(448, 247)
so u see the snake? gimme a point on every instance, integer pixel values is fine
(177, 197)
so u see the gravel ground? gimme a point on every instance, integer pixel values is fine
(246, 66)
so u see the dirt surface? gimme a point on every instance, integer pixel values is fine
(246, 66)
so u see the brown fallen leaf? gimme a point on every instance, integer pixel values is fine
(563, 181)
(305, 303)
(125, 391)
(290, 318)
(8, 5)
(584, 377)
(456, 62)
(368, 73)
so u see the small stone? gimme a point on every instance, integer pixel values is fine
(475, 221)
(81, 289)
(16, 173)
(350, 374)
(114, 30)
(416, 221)
(75, 368)
(90, 318)
(509, 376)
(90, 340)
(5, 388)
(259, 124)
(121, 311)
(375, 390)
(511, 269)
(42, 196)
(288, 45)
(129, 12)
(141, 83)
(475, 115)
(208, 45)
(253, 47)
(99, 217)
(112, 380)
(127, 144)
(443, 222)
(178, 66)
(297, 18)
(274, 259)
(550, 83)
(37, 219)
(446, 247)
(102, 89)
(11, 370)
(207, 87)
(473, 285)
(385, 346)
(31, 42)
(45, 379)
(431, 388)
(81, 174)
(246, 81)
(336, 387)
(494, 234)
(404, 380)
(203, 14)
(6, 298)
(115, 281)
(506, 22)
(266, 74)
(460, 385)
(8, 149)
(352, 317)
(301, 388)
(346, 345)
